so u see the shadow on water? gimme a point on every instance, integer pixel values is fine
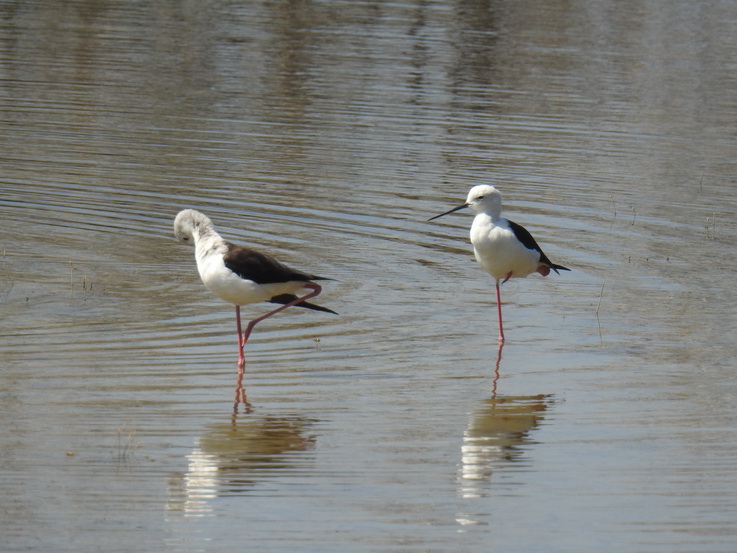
(240, 397)
(232, 457)
(497, 430)
(497, 365)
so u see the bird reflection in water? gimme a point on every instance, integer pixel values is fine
(495, 380)
(497, 431)
(231, 458)
(240, 397)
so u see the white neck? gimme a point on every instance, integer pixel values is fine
(206, 240)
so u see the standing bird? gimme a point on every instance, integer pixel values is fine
(502, 247)
(241, 275)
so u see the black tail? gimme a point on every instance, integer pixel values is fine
(286, 298)
(556, 267)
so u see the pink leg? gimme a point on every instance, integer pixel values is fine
(499, 310)
(241, 342)
(316, 289)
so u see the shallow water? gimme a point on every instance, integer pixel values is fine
(327, 133)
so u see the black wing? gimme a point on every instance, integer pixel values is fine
(524, 236)
(260, 268)
(286, 298)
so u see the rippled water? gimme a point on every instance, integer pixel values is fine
(327, 133)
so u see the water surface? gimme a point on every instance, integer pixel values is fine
(327, 133)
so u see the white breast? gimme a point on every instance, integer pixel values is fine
(228, 286)
(499, 251)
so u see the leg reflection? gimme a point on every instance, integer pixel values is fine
(495, 381)
(240, 394)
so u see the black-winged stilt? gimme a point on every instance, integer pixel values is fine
(242, 275)
(502, 247)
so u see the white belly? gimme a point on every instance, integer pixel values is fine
(228, 286)
(499, 251)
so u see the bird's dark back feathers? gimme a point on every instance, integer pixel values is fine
(260, 268)
(524, 236)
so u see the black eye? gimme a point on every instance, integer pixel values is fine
(479, 197)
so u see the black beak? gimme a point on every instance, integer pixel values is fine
(447, 212)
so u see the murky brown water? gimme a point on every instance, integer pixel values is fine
(327, 133)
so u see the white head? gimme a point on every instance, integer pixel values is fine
(191, 225)
(482, 199)
(485, 199)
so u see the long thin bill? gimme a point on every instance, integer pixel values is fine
(448, 212)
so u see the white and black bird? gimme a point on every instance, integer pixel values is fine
(502, 247)
(241, 275)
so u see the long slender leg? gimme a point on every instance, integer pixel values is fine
(499, 310)
(241, 342)
(238, 324)
(316, 289)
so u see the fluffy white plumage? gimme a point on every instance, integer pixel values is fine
(496, 247)
(503, 248)
(211, 251)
